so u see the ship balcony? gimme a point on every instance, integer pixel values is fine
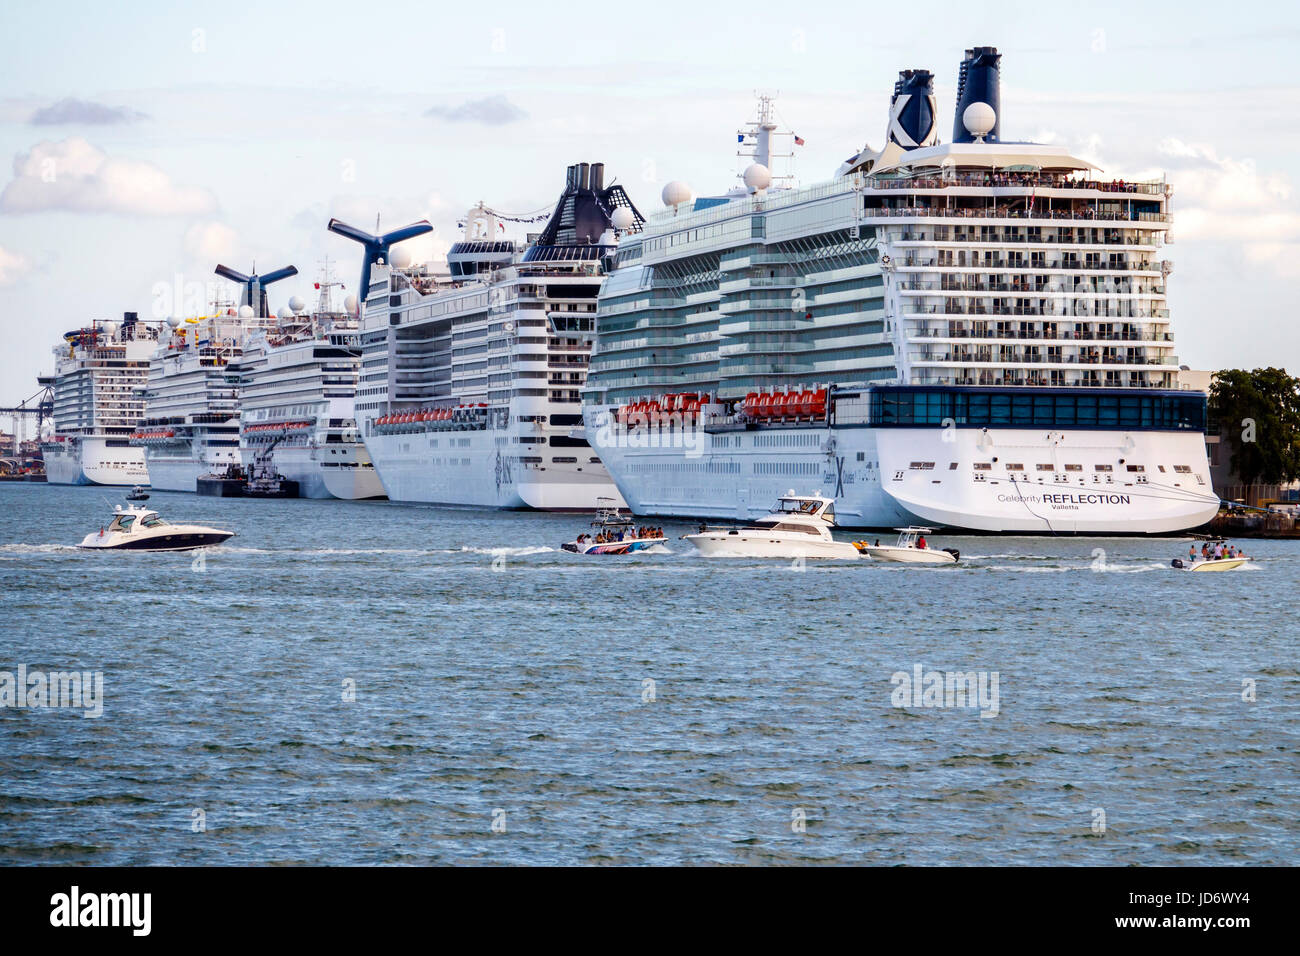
(777, 365)
(1148, 219)
(941, 235)
(960, 265)
(1060, 337)
(741, 283)
(913, 311)
(791, 322)
(764, 347)
(1017, 181)
(1030, 287)
(979, 359)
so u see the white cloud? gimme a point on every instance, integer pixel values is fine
(490, 111)
(74, 112)
(12, 266)
(211, 242)
(74, 176)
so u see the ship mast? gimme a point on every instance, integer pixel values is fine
(325, 303)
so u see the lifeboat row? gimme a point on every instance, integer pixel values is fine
(784, 406)
(460, 415)
(152, 438)
(279, 427)
(676, 406)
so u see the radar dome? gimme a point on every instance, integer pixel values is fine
(980, 119)
(676, 193)
(400, 258)
(284, 313)
(297, 304)
(173, 321)
(245, 311)
(350, 305)
(622, 218)
(110, 329)
(758, 176)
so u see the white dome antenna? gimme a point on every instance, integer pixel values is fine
(399, 258)
(676, 193)
(296, 304)
(979, 119)
(622, 219)
(757, 177)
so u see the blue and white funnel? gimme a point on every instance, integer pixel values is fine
(978, 81)
(912, 114)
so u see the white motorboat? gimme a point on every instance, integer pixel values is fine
(798, 526)
(142, 529)
(1210, 562)
(911, 548)
(615, 533)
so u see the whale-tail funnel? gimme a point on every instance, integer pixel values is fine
(254, 293)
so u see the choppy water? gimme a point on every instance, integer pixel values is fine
(494, 672)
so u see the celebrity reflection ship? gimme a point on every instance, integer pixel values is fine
(98, 386)
(470, 389)
(972, 334)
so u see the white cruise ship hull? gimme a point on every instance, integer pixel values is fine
(178, 468)
(471, 469)
(91, 461)
(879, 479)
(346, 473)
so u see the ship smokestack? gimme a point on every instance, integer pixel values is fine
(979, 81)
(912, 110)
(584, 175)
(597, 177)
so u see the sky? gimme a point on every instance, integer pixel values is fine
(142, 144)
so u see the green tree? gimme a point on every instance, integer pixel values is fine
(1259, 412)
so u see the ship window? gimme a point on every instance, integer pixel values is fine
(984, 466)
(1183, 469)
(921, 466)
(1042, 467)
(1103, 468)
(862, 456)
(1137, 468)
(152, 521)
(1074, 467)
(952, 466)
(1011, 467)
(1161, 467)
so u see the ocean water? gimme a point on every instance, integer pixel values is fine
(374, 683)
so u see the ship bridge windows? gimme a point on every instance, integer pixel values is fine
(916, 406)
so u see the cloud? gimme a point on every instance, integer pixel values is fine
(71, 111)
(211, 242)
(74, 176)
(1226, 199)
(12, 266)
(490, 111)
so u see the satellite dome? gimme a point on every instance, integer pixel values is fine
(980, 119)
(400, 258)
(110, 329)
(296, 304)
(173, 321)
(757, 176)
(245, 311)
(622, 218)
(676, 193)
(350, 305)
(284, 313)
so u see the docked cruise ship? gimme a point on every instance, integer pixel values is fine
(972, 334)
(98, 383)
(298, 382)
(191, 421)
(471, 382)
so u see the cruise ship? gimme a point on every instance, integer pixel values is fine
(191, 421)
(971, 334)
(471, 384)
(297, 386)
(98, 382)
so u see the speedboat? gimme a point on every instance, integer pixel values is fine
(618, 531)
(1211, 563)
(142, 529)
(908, 549)
(137, 494)
(798, 526)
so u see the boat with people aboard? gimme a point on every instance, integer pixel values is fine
(615, 533)
(911, 548)
(798, 526)
(137, 494)
(1216, 554)
(143, 529)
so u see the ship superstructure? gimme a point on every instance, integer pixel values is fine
(975, 334)
(471, 378)
(298, 383)
(98, 381)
